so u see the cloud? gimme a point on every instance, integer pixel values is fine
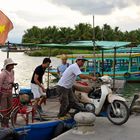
(67, 13)
(96, 7)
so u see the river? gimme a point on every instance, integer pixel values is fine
(27, 64)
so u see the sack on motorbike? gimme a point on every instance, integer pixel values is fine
(83, 97)
(83, 87)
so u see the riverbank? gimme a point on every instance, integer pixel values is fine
(54, 52)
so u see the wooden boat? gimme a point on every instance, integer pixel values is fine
(122, 66)
(13, 49)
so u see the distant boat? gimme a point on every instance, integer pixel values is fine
(13, 49)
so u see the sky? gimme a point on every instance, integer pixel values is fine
(24, 14)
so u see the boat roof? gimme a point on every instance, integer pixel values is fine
(99, 44)
(86, 44)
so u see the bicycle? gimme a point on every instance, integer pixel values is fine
(17, 109)
(8, 114)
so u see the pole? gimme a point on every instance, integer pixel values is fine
(48, 70)
(130, 61)
(8, 47)
(114, 68)
(94, 57)
(102, 62)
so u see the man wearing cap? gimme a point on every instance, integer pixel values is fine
(6, 85)
(63, 66)
(65, 84)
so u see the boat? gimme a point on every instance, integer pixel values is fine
(42, 131)
(13, 49)
(118, 64)
(47, 128)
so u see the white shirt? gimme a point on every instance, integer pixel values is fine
(69, 76)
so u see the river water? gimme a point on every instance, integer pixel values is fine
(27, 64)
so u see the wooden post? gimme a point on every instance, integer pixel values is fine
(8, 45)
(94, 57)
(48, 82)
(114, 68)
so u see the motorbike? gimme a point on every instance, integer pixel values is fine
(103, 102)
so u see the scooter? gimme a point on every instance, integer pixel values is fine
(102, 102)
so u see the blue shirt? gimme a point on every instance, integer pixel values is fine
(62, 68)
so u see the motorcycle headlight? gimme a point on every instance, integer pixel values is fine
(90, 107)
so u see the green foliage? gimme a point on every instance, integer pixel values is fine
(82, 31)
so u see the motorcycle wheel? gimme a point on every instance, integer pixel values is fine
(122, 112)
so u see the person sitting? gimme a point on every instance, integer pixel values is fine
(63, 66)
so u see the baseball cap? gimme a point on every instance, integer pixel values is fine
(81, 58)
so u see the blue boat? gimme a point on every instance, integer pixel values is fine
(41, 131)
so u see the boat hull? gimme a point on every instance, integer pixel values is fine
(40, 131)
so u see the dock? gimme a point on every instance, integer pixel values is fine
(104, 130)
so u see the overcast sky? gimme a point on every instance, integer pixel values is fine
(42, 13)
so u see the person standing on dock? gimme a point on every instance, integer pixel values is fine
(63, 66)
(37, 88)
(65, 85)
(6, 86)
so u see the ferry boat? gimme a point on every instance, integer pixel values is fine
(119, 64)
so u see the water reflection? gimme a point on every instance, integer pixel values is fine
(25, 67)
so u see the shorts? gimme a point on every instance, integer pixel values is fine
(37, 91)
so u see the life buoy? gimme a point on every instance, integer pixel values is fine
(97, 74)
(127, 75)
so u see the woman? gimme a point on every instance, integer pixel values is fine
(63, 66)
(6, 85)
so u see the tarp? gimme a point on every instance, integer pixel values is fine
(82, 45)
(98, 44)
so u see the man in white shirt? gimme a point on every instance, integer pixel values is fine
(65, 84)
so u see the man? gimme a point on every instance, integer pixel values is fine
(37, 87)
(65, 84)
(63, 66)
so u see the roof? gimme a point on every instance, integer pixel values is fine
(98, 44)
(89, 44)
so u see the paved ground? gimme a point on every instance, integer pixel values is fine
(104, 130)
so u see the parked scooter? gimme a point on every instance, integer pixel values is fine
(103, 102)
